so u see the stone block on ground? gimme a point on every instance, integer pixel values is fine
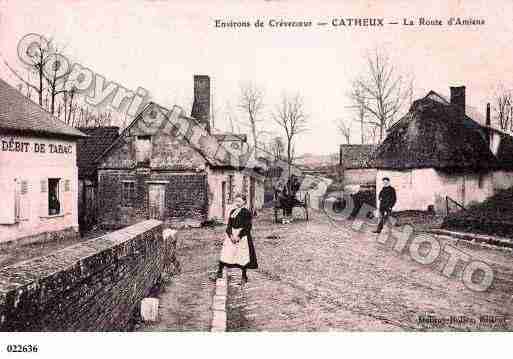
(219, 321)
(150, 309)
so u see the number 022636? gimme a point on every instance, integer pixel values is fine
(22, 348)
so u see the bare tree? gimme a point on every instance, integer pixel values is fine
(50, 71)
(251, 101)
(503, 108)
(381, 91)
(344, 130)
(371, 135)
(69, 97)
(55, 75)
(291, 117)
(39, 54)
(276, 146)
(360, 102)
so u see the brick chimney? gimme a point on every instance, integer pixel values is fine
(458, 98)
(488, 118)
(488, 125)
(201, 105)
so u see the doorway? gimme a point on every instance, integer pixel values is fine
(156, 200)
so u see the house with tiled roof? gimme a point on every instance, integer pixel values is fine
(438, 154)
(38, 171)
(171, 166)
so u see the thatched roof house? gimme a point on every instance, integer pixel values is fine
(437, 152)
(435, 134)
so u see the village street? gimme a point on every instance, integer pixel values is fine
(315, 276)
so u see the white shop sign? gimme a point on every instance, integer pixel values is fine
(15, 145)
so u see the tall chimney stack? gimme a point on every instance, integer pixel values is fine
(201, 105)
(488, 119)
(488, 126)
(458, 98)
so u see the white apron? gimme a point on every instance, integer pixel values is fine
(235, 253)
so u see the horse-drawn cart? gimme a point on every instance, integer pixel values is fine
(286, 203)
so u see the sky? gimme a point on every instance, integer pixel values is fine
(160, 45)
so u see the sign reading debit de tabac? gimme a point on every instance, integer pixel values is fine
(12, 145)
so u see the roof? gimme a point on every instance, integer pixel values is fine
(357, 156)
(90, 148)
(211, 159)
(18, 114)
(434, 134)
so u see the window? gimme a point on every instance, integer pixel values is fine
(143, 149)
(128, 194)
(8, 213)
(54, 204)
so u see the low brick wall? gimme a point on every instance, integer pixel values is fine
(93, 286)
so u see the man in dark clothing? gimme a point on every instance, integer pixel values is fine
(387, 199)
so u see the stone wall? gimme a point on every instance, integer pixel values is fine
(185, 196)
(93, 286)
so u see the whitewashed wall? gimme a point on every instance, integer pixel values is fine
(215, 180)
(359, 176)
(32, 168)
(419, 188)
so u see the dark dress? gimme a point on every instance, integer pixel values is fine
(243, 220)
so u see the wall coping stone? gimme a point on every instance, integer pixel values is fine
(72, 264)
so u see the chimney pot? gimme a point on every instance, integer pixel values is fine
(458, 98)
(201, 105)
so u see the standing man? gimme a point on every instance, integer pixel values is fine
(387, 199)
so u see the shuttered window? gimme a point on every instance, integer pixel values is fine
(24, 187)
(8, 206)
(22, 200)
(44, 186)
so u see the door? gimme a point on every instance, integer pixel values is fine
(223, 198)
(156, 198)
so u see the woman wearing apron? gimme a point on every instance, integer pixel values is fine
(238, 250)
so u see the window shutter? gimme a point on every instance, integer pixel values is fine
(24, 200)
(43, 198)
(66, 198)
(8, 207)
